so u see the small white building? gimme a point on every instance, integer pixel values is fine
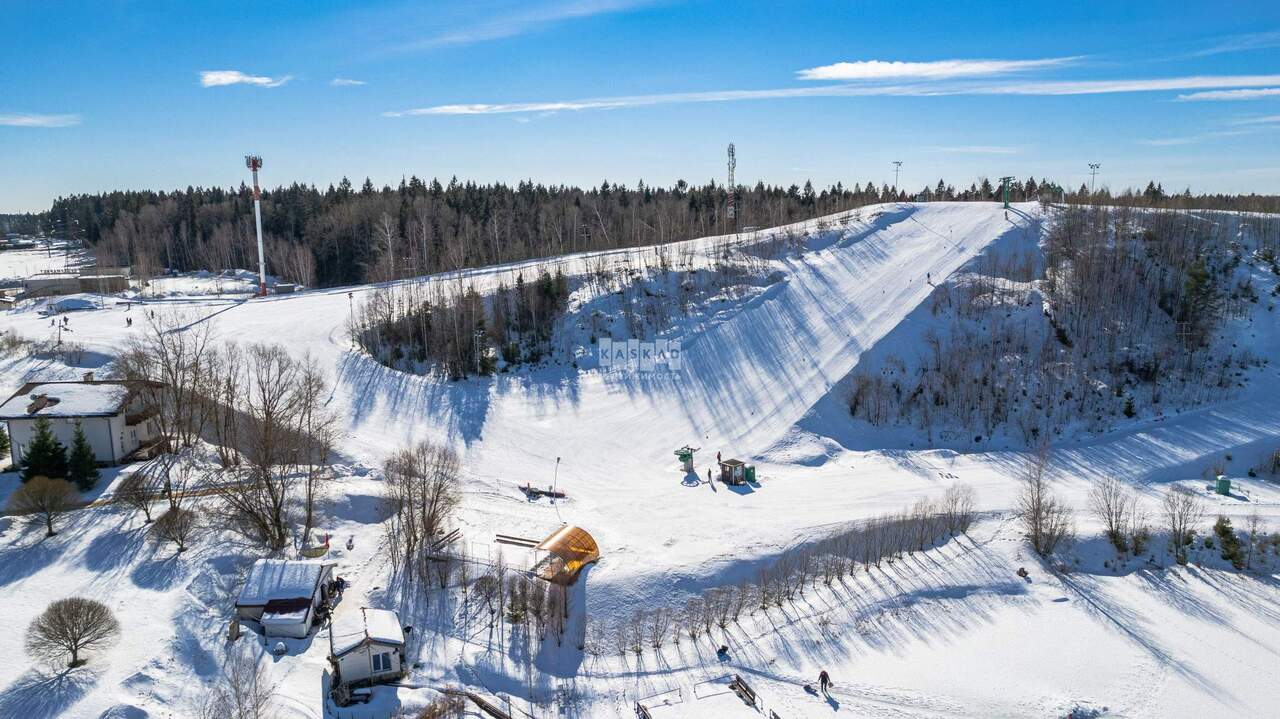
(284, 595)
(366, 646)
(117, 416)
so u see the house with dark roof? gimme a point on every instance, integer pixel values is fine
(118, 416)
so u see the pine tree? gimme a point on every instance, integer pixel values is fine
(45, 456)
(82, 467)
(4, 448)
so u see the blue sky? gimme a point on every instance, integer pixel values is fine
(113, 94)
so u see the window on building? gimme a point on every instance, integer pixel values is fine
(382, 662)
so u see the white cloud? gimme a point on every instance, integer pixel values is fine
(1259, 120)
(221, 78)
(33, 120)
(1193, 139)
(1100, 87)
(1246, 94)
(609, 103)
(1077, 87)
(933, 70)
(1239, 43)
(497, 24)
(346, 82)
(976, 149)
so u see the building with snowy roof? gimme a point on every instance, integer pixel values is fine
(118, 417)
(366, 646)
(285, 596)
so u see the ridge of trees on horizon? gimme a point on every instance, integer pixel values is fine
(348, 235)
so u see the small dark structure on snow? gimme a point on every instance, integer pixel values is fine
(735, 471)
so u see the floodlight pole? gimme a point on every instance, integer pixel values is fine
(1093, 174)
(254, 163)
(897, 165)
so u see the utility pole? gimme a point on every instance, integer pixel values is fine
(897, 165)
(1093, 174)
(254, 163)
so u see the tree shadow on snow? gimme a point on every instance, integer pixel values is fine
(461, 407)
(42, 695)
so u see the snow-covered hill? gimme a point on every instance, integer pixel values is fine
(955, 633)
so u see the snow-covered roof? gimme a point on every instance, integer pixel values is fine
(351, 629)
(274, 579)
(74, 399)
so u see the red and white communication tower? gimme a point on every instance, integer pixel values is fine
(254, 163)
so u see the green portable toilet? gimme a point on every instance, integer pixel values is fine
(1224, 485)
(751, 474)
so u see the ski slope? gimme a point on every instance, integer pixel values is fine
(744, 381)
(759, 380)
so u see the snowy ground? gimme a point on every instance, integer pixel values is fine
(16, 265)
(953, 632)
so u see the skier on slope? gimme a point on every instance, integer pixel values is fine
(824, 680)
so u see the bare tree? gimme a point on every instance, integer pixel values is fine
(1113, 505)
(659, 626)
(957, 508)
(222, 394)
(1253, 525)
(316, 433)
(176, 525)
(242, 693)
(258, 498)
(423, 491)
(1183, 510)
(139, 490)
(1044, 517)
(71, 626)
(171, 359)
(44, 498)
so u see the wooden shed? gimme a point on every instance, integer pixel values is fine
(733, 471)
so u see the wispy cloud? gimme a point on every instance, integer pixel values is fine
(346, 82)
(975, 149)
(1256, 120)
(33, 120)
(927, 89)
(222, 78)
(932, 70)
(1100, 87)
(1240, 43)
(498, 24)
(1239, 128)
(1256, 93)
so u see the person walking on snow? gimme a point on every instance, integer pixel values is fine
(824, 680)
(717, 457)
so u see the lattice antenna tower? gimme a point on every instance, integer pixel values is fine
(732, 187)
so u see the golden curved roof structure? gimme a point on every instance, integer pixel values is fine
(574, 548)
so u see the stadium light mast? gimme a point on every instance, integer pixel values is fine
(1093, 174)
(897, 165)
(732, 208)
(254, 163)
